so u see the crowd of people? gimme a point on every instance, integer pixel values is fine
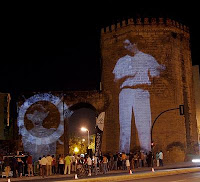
(18, 165)
(94, 165)
(63, 165)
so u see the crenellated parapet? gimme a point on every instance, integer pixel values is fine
(146, 24)
(167, 42)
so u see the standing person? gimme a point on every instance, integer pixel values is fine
(95, 164)
(145, 159)
(44, 162)
(142, 158)
(79, 165)
(68, 161)
(29, 162)
(100, 162)
(149, 159)
(130, 160)
(109, 161)
(123, 161)
(40, 166)
(127, 163)
(133, 75)
(135, 160)
(58, 164)
(89, 163)
(119, 162)
(161, 158)
(49, 163)
(7, 166)
(14, 163)
(115, 157)
(157, 159)
(20, 166)
(73, 164)
(105, 162)
(53, 164)
(61, 164)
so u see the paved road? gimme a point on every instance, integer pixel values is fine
(172, 175)
(189, 177)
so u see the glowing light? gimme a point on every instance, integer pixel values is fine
(83, 139)
(84, 129)
(76, 149)
(196, 160)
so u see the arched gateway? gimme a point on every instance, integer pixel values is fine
(146, 69)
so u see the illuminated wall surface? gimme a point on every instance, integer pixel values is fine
(196, 79)
(41, 138)
(135, 71)
(146, 69)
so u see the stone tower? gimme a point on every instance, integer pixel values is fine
(167, 42)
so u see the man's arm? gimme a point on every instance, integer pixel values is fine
(154, 67)
(124, 69)
(121, 80)
(121, 69)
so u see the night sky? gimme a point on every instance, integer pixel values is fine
(54, 49)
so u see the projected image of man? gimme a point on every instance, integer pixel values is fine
(37, 118)
(133, 73)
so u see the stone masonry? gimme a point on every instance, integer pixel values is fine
(196, 80)
(94, 100)
(169, 43)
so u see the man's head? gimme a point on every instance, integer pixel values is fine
(132, 44)
(128, 45)
(38, 115)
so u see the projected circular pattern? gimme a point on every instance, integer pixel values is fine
(62, 107)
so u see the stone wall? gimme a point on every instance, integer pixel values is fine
(196, 80)
(94, 100)
(168, 42)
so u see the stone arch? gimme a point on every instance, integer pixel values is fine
(83, 115)
(84, 112)
(74, 100)
(81, 105)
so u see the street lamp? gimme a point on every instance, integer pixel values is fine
(76, 149)
(85, 129)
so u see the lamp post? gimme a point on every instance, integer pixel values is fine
(181, 112)
(85, 129)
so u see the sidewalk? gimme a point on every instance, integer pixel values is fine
(145, 172)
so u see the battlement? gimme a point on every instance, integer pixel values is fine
(145, 22)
